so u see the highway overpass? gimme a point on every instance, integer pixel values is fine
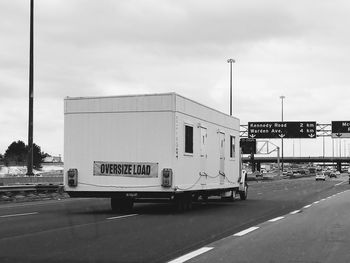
(338, 161)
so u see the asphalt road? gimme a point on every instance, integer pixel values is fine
(85, 230)
(318, 232)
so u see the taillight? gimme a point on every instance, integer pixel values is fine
(72, 175)
(167, 177)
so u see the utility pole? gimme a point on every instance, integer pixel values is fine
(282, 98)
(31, 92)
(231, 61)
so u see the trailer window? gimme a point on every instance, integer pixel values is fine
(188, 139)
(232, 147)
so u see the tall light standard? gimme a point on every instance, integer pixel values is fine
(282, 98)
(31, 93)
(231, 61)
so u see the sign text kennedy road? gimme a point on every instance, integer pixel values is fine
(287, 130)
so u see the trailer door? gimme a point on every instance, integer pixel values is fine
(203, 154)
(222, 157)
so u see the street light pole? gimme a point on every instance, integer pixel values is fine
(282, 98)
(31, 93)
(231, 61)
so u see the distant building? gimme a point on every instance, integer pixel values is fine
(53, 159)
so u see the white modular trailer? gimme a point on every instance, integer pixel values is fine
(149, 146)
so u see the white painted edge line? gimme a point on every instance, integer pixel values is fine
(24, 214)
(307, 206)
(118, 217)
(294, 212)
(316, 202)
(323, 199)
(276, 219)
(190, 255)
(244, 232)
(339, 183)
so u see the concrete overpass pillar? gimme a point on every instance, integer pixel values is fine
(339, 166)
(258, 166)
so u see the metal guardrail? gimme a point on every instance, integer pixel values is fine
(32, 180)
(31, 188)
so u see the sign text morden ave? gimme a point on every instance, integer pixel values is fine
(287, 130)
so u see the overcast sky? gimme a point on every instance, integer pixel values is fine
(299, 49)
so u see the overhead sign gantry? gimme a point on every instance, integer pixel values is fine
(285, 130)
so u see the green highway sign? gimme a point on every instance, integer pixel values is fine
(285, 130)
(341, 129)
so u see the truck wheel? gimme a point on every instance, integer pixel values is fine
(122, 204)
(244, 194)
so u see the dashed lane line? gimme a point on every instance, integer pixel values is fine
(191, 255)
(15, 215)
(276, 219)
(244, 232)
(202, 250)
(119, 217)
(294, 212)
(340, 183)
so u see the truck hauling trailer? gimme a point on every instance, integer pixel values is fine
(149, 148)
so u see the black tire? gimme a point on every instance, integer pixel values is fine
(122, 204)
(244, 194)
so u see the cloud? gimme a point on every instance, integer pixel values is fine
(92, 48)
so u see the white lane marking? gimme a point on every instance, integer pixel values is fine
(316, 202)
(190, 255)
(24, 214)
(276, 219)
(339, 183)
(307, 206)
(118, 217)
(244, 232)
(323, 199)
(294, 212)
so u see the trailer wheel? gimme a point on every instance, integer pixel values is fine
(122, 204)
(244, 194)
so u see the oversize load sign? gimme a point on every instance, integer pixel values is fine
(341, 129)
(271, 130)
(125, 169)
